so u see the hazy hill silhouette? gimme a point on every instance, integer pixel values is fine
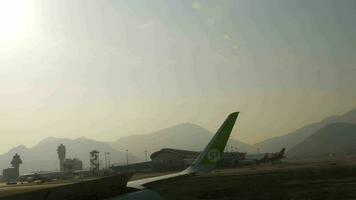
(336, 139)
(295, 137)
(183, 136)
(43, 156)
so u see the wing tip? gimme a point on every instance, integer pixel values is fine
(234, 114)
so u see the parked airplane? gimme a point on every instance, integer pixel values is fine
(262, 158)
(40, 176)
(273, 157)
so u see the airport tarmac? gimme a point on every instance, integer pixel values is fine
(78, 189)
(298, 179)
(294, 179)
(6, 190)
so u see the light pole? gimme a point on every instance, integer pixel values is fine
(106, 165)
(127, 157)
(146, 155)
(108, 160)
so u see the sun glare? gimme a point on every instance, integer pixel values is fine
(14, 19)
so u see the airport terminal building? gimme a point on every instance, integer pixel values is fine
(10, 174)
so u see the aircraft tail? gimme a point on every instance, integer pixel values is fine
(282, 152)
(212, 153)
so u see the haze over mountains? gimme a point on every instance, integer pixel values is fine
(334, 135)
(291, 139)
(183, 136)
(43, 156)
(336, 139)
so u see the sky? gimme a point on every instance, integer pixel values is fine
(108, 69)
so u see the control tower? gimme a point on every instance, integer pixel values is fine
(94, 162)
(61, 151)
(15, 163)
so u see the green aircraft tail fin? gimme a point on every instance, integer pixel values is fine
(215, 149)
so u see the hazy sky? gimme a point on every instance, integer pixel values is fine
(107, 69)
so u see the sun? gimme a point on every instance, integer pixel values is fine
(15, 19)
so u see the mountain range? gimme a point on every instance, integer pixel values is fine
(336, 139)
(43, 156)
(292, 139)
(334, 134)
(183, 136)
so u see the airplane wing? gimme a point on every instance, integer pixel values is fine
(205, 162)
